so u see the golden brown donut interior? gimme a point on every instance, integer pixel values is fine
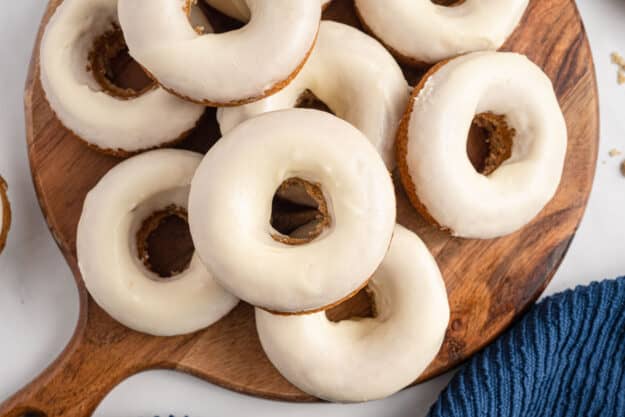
(300, 212)
(120, 75)
(114, 70)
(360, 306)
(448, 3)
(6, 214)
(490, 142)
(308, 100)
(164, 243)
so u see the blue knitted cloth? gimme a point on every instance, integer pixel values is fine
(566, 357)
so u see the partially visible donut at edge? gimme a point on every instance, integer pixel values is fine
(420, 32)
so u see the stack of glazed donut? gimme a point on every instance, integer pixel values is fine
(336, 166)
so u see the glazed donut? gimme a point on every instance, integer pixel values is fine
(237, 9)
(109, 118)
(367, 359)
(109, 257)
(351, 73)
(231, 68)
(507, 90)
(5, 214)
(230, 206)
(420, 32)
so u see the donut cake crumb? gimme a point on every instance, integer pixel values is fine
(498, 137)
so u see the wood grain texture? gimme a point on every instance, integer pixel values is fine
(490, 283)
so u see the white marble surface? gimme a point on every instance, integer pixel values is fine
(38, 303)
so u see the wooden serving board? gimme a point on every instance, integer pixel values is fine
(490, 283)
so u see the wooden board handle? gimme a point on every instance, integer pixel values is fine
(96, 360)
(73, 386)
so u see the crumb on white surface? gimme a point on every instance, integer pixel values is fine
(618, 60)
(615, 152)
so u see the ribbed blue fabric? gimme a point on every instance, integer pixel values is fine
(566, 357)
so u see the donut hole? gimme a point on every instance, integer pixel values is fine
(308, 100)
(448, 3)
(196, 16)
(164, 243)
(490, 142)
(360, 306)
(32, 413)
(299, 212)
(198, 11)
(117, 73)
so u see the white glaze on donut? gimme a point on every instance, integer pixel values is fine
(453, 192)
(109, 123)
(426, 32)
(228, 68)
(355, 76)
(116, 278)
(237, 9)
(367, 359)
(231, 202)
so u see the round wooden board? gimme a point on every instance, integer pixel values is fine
(490, 283)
